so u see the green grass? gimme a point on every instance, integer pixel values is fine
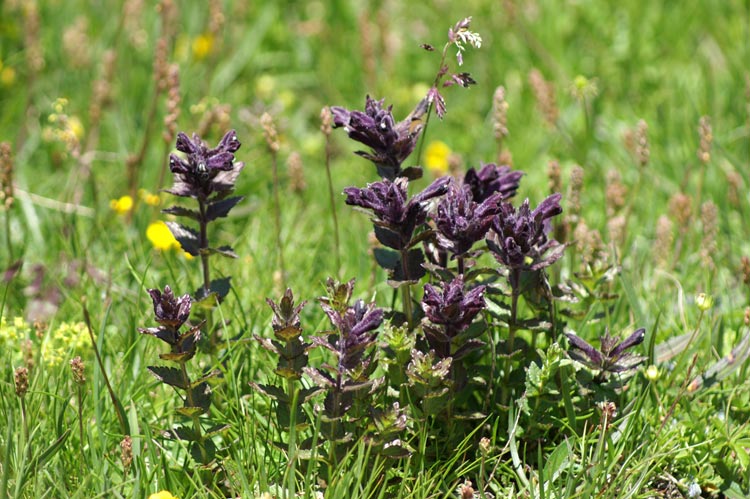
(668, 64)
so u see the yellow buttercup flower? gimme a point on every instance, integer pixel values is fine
(164, 494)
(149, 198)
(202, 46)
(161, 237)
(122, 206)
(436, 157)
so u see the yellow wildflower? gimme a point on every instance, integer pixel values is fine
(202, 46)
(149, 198)
(161, 237)
(164, 494)
(436, 157)
(122, 206)
(7, 76)
(76, 127)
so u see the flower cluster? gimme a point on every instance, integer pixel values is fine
(520, 240)
(449, 312)
(203, 171)
(461, 221)
(171, 313)
(394, 215)
(390, 143)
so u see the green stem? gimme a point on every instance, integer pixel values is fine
(195, 417)
(406, 287)
(277, 215)
(80, 420)
(8, 242)
(292, 448)
(333, 204)
(512, 327)
(203, 247)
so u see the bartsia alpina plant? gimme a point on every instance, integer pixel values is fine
(394, 215)
(519, 238)
(207, 175)
(390, 143)
(491, 179)
(172, 313)
(448, 313)
(461, 221)
(612, 356)
(354, 333)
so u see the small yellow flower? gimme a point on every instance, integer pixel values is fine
(161, 237)
(60, 104)
(202, 46)
(7, 76)
(149, 198)
(76, 127)
(122, 206)
(164, 494)
(436, 157)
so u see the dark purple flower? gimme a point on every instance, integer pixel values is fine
(612, 356)
(392, 211)
(390, 143)
(520, 239)
(355, 327)
(491, 179)
(452, 306)
(172, 313)
(461, 221)
(169, 310)
(204, 171)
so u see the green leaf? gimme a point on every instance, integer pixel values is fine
(179, 211)
(184, 433)
(221, 208)
(215, 430)
(187, 237)
(201, 395)
(226, 251)
(203, 452)
(168, 375)
(387, 259)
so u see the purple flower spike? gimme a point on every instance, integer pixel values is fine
(355, 328)
(170, 311)
(387, 200)
(390, 143)
(204, 171)
(520, 239)
(448, 313)
(491, 179)
(461, 221)
(453, 307)
(611, 358)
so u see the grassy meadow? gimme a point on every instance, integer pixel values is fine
(442, 371)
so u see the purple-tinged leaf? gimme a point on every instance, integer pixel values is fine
(188, 238)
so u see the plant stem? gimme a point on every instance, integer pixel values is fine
(8, 242)
(203, 247)
(277, 214)
(333, 204)
(292, 448)
(406, 287)
(512, 327)
(79, 395)
(194, 417)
